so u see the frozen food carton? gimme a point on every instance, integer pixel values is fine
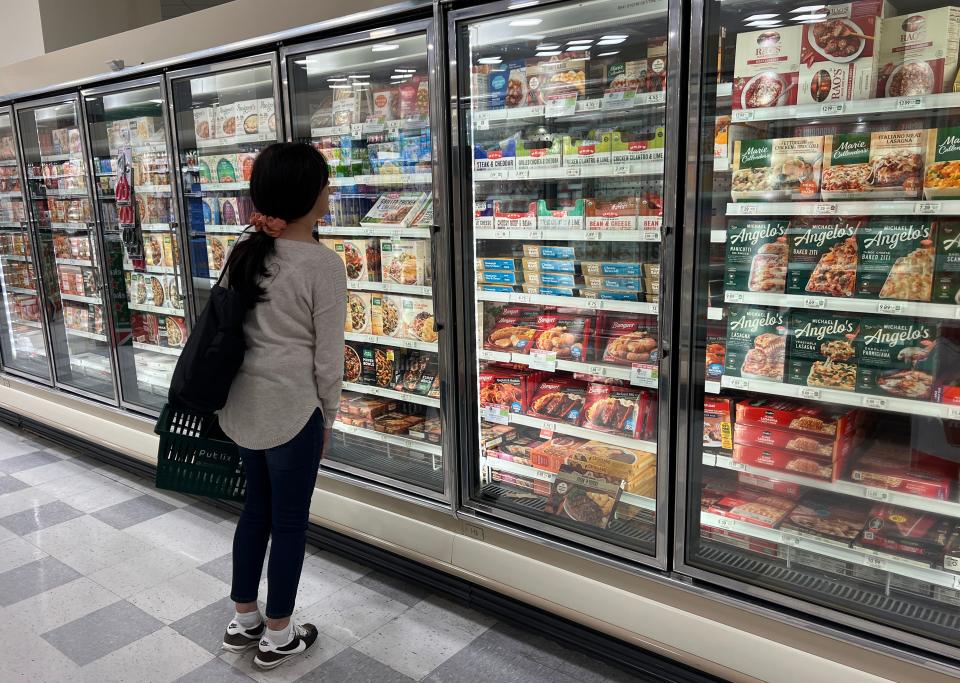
(777, 169)
(822, 446)
(394, 210)
(499, 263)
(386, 315)
(824, 256)
(617, 268)
(405, 262)
(626, 339)
(499, 157)
(617, 214)
(822, 350)
(512, 330)
(880, 165)
(562, 81)
(787, 489)
(896, 259)
(612, 409)
(226, 120)
(511, 216)
(563, 218)
(346, 107)
(385, 105)
(218, 248)
(756, 343)
(767, 67)
(827, 517)
(777, 460)
(358, 313)
(226, 168)
(896, 357)
(631, 147)
(229, 211)
(266, 117)
(754, 507)
(941, 178)
(248, 117)
(838, 56)
(623, 81)
(542, 265)
(927, 477)
(717, 423)
(559, 400)
(540, 153)
(946, 279)
(424, 216)
(568, 335)
(914, 535)
(583, 499)
(245, 165)
(539, 279)
(918, 53)
(586, 151)
(361, 257)
(613, 283)
(756, 259)
(796, 416)
(418, 319)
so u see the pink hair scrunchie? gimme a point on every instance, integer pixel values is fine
(268, 224)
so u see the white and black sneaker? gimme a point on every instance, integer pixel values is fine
(271, 656)
(240, 639)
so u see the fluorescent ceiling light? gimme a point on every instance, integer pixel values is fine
(382, 33)
(533, 21)
(608, 54)
(337, 80)
(765, 23)
(758, 17)
(610, 41)
(808, 8)
(359, 77)
(615, 36)
(489, 60)
(400, 76)
(548, 47)
(548, 53)
(339, 85)
(525, 3)
(585, 41)
(301, 62)
(809, 17)
(385, 47)
(156, 101)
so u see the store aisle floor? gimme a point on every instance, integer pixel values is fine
(104, 578)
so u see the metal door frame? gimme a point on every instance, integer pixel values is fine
(439, 243)
(34, 255)
(504, 520)
(93, 226)
(685, 413)
(176, 228)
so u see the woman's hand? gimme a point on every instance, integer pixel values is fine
(327, 438)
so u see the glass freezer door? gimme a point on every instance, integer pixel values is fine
(133, 178)
(60, 206)
(824, 442)
(21, 340)
(366, 107)
(225, 114)
(563, 114)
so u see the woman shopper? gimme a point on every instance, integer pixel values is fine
(284, 399)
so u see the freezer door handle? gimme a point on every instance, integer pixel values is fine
(437, 322)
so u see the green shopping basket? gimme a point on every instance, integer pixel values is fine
(196, 457)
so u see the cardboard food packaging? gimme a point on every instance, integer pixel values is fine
(896, 357)
(824, 257)
(505, 217)
(540, 153)
(946, 279)
(226, 120)
(583, 499)
(418, 319)
(559, 400)
(612, 409)
(798, 464)
(627, 147)
(897, 259)
(551, 279)
(563, 218)
(499, 263)
(717, 423)
(756, 258)
(787, 489)
(358, 318)
(512, 330)
(554, 452)
(506, 388)
(756, 343)
(793, 415)
(361, 258)
(914, 535)
(387, 315)
(828, 517)
(626, 339)
(777, 169)
(204, 123)
(767, 68)
(822, 350)
(248, 117)
(586, 151)
(226, 168)
(927, 477)
(821, 446)
(229, 211)
(918, 53)
(566, 334)
(880, 165)
(405, 262)
(545, 265)
(754, 507)
(617, 214)
(266, 117)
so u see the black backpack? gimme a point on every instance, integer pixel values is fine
(212, 355)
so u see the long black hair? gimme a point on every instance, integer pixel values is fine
(287, 178)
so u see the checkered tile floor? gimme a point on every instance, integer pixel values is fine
(104, 578)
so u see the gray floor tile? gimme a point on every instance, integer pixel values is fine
(133, 511)
(474, 663)
(214, 671)
(32, 579)
(221, 568)
(210, 513)
(28, 521)
(26, 461)
(355, 667)
(205, 627)
(395, 588)
(10, 484)
(98, 634)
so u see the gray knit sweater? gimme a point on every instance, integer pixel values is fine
(294, 359)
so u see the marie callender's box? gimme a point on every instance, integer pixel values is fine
(946, 276)
(896, 357)
(756, 343)
(822, 351)
(896, 259)
(756, 258)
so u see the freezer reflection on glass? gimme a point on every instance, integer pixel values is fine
(21, 341)
(60, 205)
(566, 130)
(132, 171)
(828, 291)
(223, 119)
(366, 108)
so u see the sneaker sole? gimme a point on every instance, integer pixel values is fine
(240, 649)
(267, 666)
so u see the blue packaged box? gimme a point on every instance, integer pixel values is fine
(549, 291)
(548, 251)
(611, 268)
(498, 277)
(544, 265)
(551, 279)
(496, 263)
(614, 283)
(496, 288)
(611, 296)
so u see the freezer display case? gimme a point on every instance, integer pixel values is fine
(365, 105)
(562, 114)
(58, 192)
(823, 438)
(224, 115)
(133, 178)
(22, 342)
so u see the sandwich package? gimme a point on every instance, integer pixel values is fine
(777, 169)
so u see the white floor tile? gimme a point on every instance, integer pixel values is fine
(17, 552)
(36, 660)
(51, 472)
(141, 572)
(88, 545)
(448, 612)
(100, 497)
(325, 648)
(161, 657)
(314, 584)
(70, 485)
(334, 564)
(6, 535)
(58, 606)
(24, 499)
(186, 533)
(11, 447)
(352, 613)
(180, 595)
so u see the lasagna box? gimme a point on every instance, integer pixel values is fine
(792, 462)
(776, 169)
(896, 259)
(896, 357)
(880, 165)
(927, 477)
(820, 446)
(823, 258)
(918, 53)
(787, 489)
(767, 67)
(822, 350)
(756, 343)
(756, 259)
(796, 416)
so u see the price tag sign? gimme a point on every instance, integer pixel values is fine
(482, 123)
(644, 374)
(790, 539)
(814, 302)
(598, 370)
(535, 234)
(956, 582)
(875, 562)
(832, 109)
(657, 97)
(733, 297)
(953, 413)
(874, 402)
(521, 174)
(714, 313)
(809, 393)
(825, 208)
(908, 103)
(650, 236)
(742, 115)
(738, 466)
(592, 235)
(393, 127)
(573, 171)
(387, 287)
(495, 414)
(621, 169)
(541, 359)
(501, 234)
(496, 175)
(547, 429)
(736, 383)
(891, 307)
(356, 130)
(560, 107)
(593, 304)
(876, 494)
(928, 207)
(520, 298)
(726, 522)
(749, 209)
(589, 105)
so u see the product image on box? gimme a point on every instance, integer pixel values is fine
(946, 278)
(896, 259)
(559, 400)
(404, 261)
(828, 517)
(880, 165)
(785, 461)
(582, 499)
(918, 53)
(717, 423)
(513, 330)
(777, 169)
(910, 534)
(896, 357)
(823, 256)
(625, 340)
(822, 350)
(756, 343)
(358, 312)
(567, 335)
(754, 507)
(767, 68)
(612, 409)
(756, 258)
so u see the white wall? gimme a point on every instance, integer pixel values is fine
(23, 34)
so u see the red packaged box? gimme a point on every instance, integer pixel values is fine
(715, 486)
(801, 464)
(755, 507)
(797, 416)
(820, 446)
(787, 489)
(649, 410)
(613, 409)
(927, 476)
(830, 517)
(914, 534)
(717, 423)
(554, 452)
(511, 388)
(560, 400)
(625, 340)
(513, 330)
(568, 334)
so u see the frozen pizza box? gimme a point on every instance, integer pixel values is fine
(792, 462)
(756, 343)
(586, 151)
(394, 210)
(838, 56)
(946, 277)
(756, 258)
(880, 165)
(896, 357)
(828, 517)
(918, 53)
(563, 218)
(896, 259)
(540, 153)
(767, 67)
(777, 169)
(822, 350)
(823, 257)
